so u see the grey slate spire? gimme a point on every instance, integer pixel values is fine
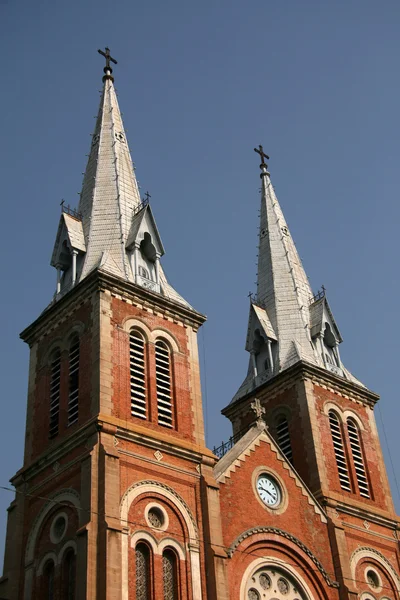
(113, 229)
(287, 323)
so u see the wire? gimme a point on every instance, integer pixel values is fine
(185, 537)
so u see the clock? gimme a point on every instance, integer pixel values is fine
(268, 490)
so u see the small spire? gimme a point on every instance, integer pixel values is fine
(107, 68)
(263, 165)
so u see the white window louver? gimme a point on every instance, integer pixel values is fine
(283, 438)
(358, 458)
(73, 392)
(163, 383)
(138, 375)
(55, 373)
(340, 455)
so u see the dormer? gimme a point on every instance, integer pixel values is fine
(68, 250)
(144, 247)
(325, 334)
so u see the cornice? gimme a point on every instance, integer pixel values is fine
(100, 281)
(365, 514)
(305, 371)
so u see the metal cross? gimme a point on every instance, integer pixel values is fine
(257, 408)
(259, 151)
(147, 197)
(108, 57)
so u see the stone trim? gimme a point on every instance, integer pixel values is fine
(67, 495)
(47, 557)
(372, 553)
(288, 536)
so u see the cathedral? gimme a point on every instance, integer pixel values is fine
(118, 497)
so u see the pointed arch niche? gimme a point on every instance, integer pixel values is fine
(192, 549)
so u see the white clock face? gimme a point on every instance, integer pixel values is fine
(268, 490)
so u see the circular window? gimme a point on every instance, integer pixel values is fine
(372, 579)
(156, 516)
(273, 583)
(58, 528)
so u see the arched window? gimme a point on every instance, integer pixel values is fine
(358, 459)
(73, 392)
(283, 437)
(341, 461)
(55, 373)
(170, 575)
(69, 575)
(143, 272)
(143, 572)
(138, 375)
(273, 582)
(163, 381)
(48, 584)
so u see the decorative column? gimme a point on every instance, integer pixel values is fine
(157, 269)
(271, 360)
(136, 261)
(58, 279)
(254, 362)
(74, 255)
(322, 349)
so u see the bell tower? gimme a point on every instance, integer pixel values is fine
(114, 440)
(321, 416)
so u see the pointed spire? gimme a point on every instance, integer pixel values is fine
(286, 323)
(115, 228)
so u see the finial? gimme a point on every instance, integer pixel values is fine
(107, 68)
(263, 165)
(257, 409)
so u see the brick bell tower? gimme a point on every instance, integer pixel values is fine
(114, 434)
(320, 415)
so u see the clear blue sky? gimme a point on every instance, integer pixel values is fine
(200, 84)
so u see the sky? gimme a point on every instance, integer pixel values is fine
(200, 84)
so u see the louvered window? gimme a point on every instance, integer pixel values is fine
(283, 437)
(143, 583)
(340, 455)
(358, 458)
(73, 394)
(55, 374)
(163, 381)
(138, 375)
(170, 575)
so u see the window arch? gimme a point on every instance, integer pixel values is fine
(73, 385)
(358, 458)
(143, 572)
(137, 374)
(170, 574)
(48, 580)
(55, 379)
(283, 436)
(270, 580)
(163, 383)
(69, 575)
(338, 446)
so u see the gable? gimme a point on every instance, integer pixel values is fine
(143, 222)
(242, 509)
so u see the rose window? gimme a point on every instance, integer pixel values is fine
(273, 584)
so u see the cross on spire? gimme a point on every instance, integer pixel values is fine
(108, 57)
(260, 151)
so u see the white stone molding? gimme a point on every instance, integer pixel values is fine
(367, 552)
(144, 536)
(66, 495)
(47, 557)
(170, 543)
(343, 414)
(166, 336)
(271, 562)
(63, 342)
(136, 323)
(67, 546)
(155, 487)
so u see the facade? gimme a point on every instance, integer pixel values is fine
(118, 496)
